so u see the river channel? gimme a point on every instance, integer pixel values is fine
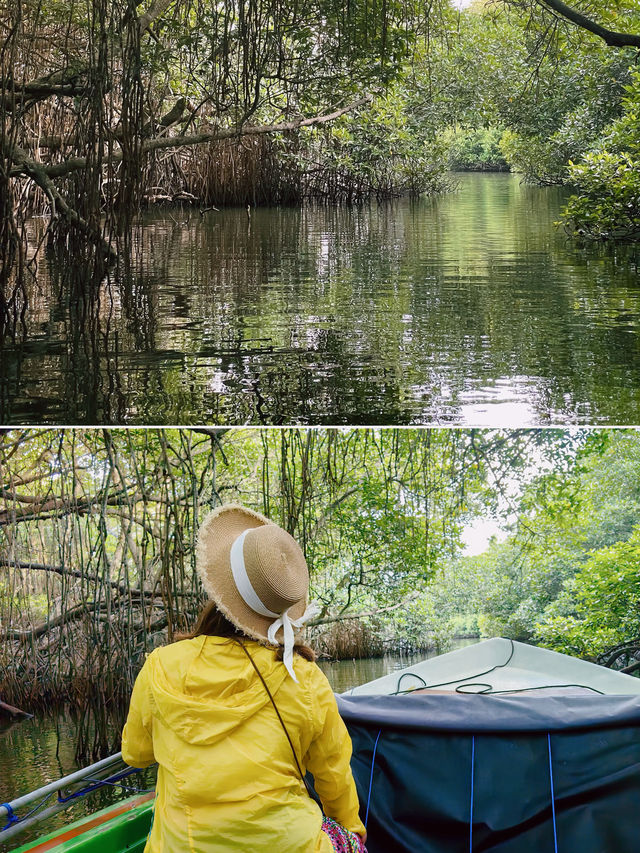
(471, 308)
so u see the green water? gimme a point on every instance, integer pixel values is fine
(471, 308)
(345, 674)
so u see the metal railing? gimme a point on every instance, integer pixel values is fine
(15, 823)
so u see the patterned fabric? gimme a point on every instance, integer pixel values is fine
(342, 839)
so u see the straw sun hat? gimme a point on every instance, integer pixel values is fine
(256, 573)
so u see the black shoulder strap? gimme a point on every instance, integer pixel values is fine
(275, 708)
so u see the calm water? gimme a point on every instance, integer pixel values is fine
(345, 674)
(469, 309)
(41, 750)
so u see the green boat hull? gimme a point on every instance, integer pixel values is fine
(118, 828)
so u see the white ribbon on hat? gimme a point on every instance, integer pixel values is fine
(252, 599)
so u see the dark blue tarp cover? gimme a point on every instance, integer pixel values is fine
(421, 782)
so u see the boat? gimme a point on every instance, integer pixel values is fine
(499, 746)
(114, 829)
(117, 828)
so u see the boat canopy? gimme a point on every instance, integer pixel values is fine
(551, 768)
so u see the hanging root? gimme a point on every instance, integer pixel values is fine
(59, 207)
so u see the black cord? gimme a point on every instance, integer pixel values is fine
(454, 680)
(275, 708)
(487, 688)
(492, 692)
(409, 675)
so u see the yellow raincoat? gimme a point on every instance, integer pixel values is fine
(227, 780)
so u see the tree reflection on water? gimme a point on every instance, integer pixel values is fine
(470, 308)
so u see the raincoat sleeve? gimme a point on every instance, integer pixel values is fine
(137, 740)
(329, 757)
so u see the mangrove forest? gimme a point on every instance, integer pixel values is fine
(170, 169)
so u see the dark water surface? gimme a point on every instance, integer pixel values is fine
(471, 308)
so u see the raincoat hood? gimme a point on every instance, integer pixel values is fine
(205, 688)
(227, 778)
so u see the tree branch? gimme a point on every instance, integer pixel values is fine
(37, 172)
(609, 657)
(72, 615)
(60, 506)
(328, 511)
(67, 83)
(55, 570)
(73, 165)
(345, 616)
(55, 143)
(14, 712)
(119, 586)
(157, 9)
(613, 39)
(33, 633)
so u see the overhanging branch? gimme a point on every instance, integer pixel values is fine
(153, 13)
(610, 37)
(59, 207)
(129, 592)
(73, 165)
(71, 615)
(343, 617)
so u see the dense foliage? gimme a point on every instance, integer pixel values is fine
(607, 180)
(476, 149)
(597, 609)
(567, 575)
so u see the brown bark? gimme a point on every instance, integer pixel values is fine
(33, 633)
(58, 506)
(630, 648)
(73, 615)
(73, 573)
(152, 14)
(59, 207)
(13, 712)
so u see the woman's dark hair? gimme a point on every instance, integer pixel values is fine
(212, 622)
